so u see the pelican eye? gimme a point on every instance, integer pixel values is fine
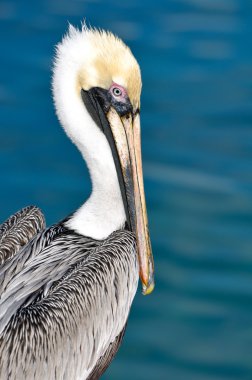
(116, 91)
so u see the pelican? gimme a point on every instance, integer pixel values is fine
(66, 291)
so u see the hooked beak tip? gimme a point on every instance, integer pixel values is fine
(149, 285)
(148, 289)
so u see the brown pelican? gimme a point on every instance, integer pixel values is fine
(66, 290)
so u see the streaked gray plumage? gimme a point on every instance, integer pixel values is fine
(64, 303)
(18, 230)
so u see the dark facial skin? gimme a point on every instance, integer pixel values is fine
(116, 96)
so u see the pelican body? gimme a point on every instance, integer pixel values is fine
(66, 291)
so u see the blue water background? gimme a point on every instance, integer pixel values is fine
(196, 61)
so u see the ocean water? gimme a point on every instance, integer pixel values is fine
(196, 115)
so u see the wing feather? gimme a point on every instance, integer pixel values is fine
(18, 230)
(66, 332)
(39, 264)
(108, 356)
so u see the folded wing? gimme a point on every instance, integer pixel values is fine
(18, 230)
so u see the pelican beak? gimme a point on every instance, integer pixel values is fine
(122, 130)
(126, 134)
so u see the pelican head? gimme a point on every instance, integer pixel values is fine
(96, 88)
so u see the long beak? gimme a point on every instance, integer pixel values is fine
(126, 135)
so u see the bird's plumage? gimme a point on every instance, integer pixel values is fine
(18, 230)
(66, 290)
(65, 300)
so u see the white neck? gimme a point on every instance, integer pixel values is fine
(104, 211)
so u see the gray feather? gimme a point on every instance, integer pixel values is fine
(18, 230)
(66, 301)
(106, 359)
(40, 263)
